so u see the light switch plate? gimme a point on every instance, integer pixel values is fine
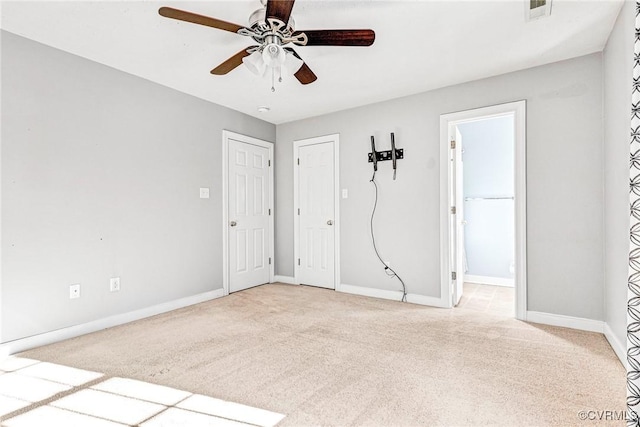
(74, 291)
(345, 193)
(204, 193)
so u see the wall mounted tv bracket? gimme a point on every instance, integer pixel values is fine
(380, 156)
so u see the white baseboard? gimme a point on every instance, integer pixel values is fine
(486, 280)
(565, 321)
(27, 343)
(390, 295)
(616, 345)
(370, 292)
(284, 279)
(425, 300)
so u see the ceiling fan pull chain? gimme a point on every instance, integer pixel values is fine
(279, 74)
(273, 78)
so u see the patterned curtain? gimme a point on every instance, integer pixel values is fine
(633, 308)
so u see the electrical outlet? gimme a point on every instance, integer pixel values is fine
(204, 193)
(74, 291)
(114, 284)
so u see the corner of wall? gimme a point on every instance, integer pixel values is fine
(618, 347)
(617, 66)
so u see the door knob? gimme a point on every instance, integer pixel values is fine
(233, 223)
(329, 222)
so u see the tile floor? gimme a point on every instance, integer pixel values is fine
(34, 394)
(498, 300)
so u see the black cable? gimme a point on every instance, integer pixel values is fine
(375, 248)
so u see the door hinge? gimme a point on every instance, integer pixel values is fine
(298, 211)
(453, 210)
(298, 161)
(453, 144)
(269, 162)
(269, 260)
(298, 261)
(269, 211)
(454, 275)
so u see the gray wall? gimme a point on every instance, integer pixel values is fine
(489, 159)
(565, 214)
(618, 74)
(100, 178)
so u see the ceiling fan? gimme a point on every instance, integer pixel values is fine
(273, 27)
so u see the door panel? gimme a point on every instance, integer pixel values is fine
(248, 215)
(317, 209)
(259, 195)
(258, 248)
(242, 242)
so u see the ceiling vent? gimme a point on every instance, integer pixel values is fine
(536, 9)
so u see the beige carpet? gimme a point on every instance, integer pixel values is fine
(328, 358)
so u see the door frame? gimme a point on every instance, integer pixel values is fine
(226, 136)
(335, 138)
(447, 123)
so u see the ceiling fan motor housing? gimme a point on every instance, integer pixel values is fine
(259, 23)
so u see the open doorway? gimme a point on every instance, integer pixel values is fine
(488, 189)
(484, 208)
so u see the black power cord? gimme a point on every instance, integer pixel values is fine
(388, 270)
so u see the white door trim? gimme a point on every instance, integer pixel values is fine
(226, 135)
(518, 109)
(335, 138)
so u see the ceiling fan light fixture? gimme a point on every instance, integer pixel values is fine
(255, 63)
(273, 55)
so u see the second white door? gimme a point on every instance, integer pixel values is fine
(316, 213)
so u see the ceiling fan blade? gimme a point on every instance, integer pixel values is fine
(334, 37)
(304, 74)
(232, 62)
(181, 15)
(279, 9)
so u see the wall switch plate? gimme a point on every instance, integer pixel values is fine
(345, 193)
(114, 284)
(74, 291)
(204, 193)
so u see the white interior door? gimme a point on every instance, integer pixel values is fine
(457, 218)
(316, 215)
(248, 215)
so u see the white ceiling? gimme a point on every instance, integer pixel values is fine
(420, 45)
